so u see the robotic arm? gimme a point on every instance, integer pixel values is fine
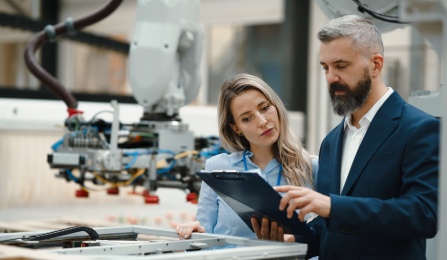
(165, 55)
(159, 150)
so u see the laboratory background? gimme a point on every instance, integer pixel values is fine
(74, 151)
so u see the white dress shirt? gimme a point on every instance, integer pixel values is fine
(353, 137)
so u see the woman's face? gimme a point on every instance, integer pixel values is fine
(256, 118)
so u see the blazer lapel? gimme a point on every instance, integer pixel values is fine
(382, 126)
(335, 160)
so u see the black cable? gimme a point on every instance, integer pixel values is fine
(90, 231)
(36, 25)
(362, 8)
(49, 34)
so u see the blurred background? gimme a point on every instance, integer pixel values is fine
(274, 39)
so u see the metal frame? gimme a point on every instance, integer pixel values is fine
(166, 246)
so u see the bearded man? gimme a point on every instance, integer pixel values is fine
(377, 185)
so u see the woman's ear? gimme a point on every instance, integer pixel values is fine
(235, 129)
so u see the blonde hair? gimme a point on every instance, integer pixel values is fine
(288, 150)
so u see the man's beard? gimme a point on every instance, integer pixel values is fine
(351, 99)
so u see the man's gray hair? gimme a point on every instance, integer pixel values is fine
(365, 36)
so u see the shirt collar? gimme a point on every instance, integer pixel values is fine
(369, 116)
(238, 156)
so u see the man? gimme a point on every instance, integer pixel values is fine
(377, 182)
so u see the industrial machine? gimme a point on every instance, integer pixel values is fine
(159, 150)
(139, 242)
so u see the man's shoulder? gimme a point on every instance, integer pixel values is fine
(411, 111)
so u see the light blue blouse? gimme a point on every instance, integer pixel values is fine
(213, 213)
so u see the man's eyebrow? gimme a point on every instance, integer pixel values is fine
(341, 61)
(335, 62)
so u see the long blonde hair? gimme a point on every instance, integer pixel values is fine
(288, 150)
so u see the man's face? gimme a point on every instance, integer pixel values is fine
(347, 75)
(352, 98)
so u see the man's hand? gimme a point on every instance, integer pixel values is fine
(184, 230)
(304, 199)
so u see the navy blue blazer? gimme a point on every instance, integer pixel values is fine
(388, 206)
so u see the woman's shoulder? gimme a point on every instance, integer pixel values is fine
(219, 157)
(222, 161)
(314, 167)
(314, 159)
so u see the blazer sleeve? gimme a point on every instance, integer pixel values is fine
(313, 243)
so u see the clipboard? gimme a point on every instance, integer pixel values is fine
(249, 195)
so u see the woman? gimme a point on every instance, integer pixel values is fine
(254, 127)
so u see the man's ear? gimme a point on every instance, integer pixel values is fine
(235, 129)
(377, 60)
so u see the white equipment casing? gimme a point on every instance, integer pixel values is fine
(165, 54)
(339, 8)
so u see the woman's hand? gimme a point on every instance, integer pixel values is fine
(184, 230)
(270, 231)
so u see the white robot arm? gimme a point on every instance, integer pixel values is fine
(165, 55)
